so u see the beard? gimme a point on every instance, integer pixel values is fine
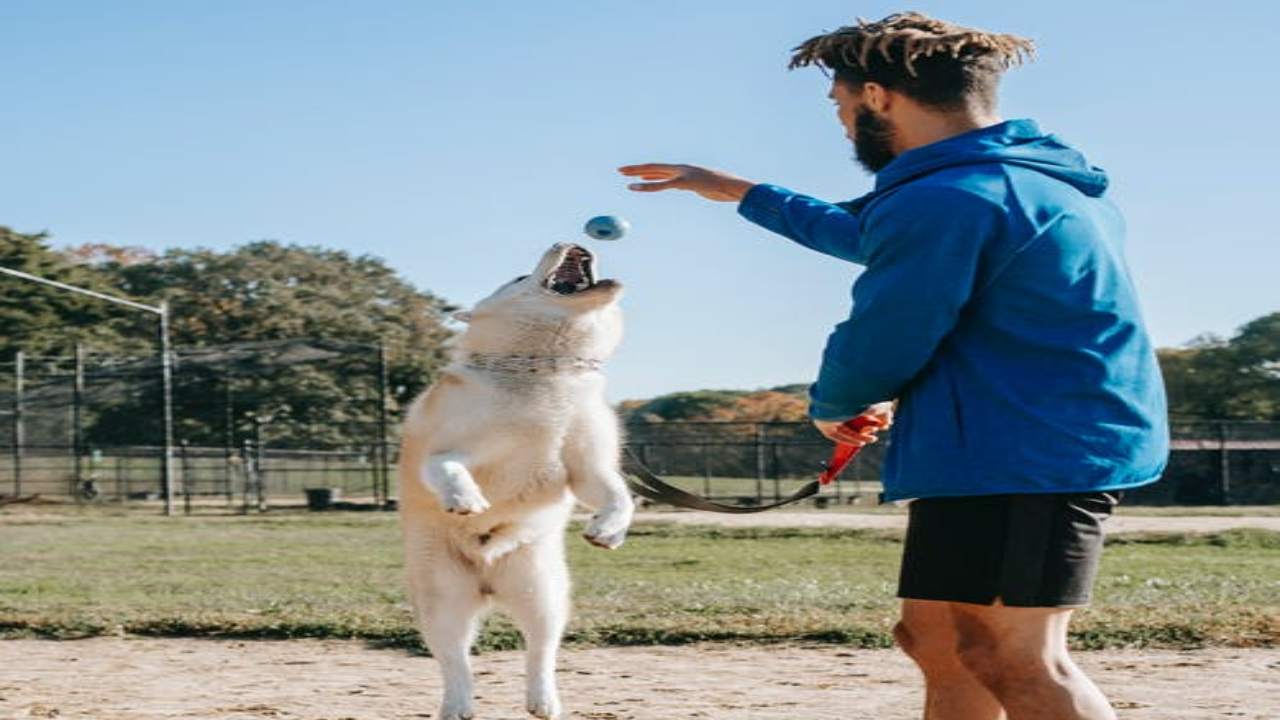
(872, 140)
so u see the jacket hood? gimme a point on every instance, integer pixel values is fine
(1013, 142)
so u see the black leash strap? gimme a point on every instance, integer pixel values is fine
(647, 484)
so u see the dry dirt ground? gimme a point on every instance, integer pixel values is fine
(142, 679)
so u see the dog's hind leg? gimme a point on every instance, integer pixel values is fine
(591, 455)
(447, 603)
(532, 583)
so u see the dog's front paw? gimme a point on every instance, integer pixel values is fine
(607, 530)
(465, 500)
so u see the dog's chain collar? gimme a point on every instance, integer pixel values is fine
(526, 364)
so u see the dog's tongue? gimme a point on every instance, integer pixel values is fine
(571, 274)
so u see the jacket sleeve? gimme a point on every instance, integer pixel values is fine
(821, 226)
(924, 248)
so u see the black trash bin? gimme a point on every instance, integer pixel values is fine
(322, 498)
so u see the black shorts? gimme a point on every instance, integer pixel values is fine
(1023, 550)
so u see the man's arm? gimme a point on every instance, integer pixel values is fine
(821, 226)
(824, 227)
(924, 247)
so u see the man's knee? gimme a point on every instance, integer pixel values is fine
(980, 653)
(929, 646)
(903, 636)
(1001, 660)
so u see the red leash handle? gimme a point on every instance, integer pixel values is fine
(842, 454)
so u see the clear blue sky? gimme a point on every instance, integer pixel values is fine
(457, 140)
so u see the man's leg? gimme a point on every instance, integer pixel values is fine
(1020, 655)
(927, 633)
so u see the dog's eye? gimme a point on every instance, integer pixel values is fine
(513, 282)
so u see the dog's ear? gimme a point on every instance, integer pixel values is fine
(462, 316)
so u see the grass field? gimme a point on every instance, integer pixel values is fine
(339, 575)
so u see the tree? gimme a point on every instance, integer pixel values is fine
(695, 405)
(1235, 379)
(1210, 378)
(1255, 353)
(42, 320)
(267, 291)
(783, 404)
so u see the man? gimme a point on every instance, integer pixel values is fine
(997, 310)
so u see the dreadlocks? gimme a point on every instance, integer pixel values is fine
(931, 60)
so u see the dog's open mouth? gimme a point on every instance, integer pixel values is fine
(574, 274)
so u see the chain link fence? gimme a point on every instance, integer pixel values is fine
(1211, 463)
(252, 421)
(750, 463)
(271, 422)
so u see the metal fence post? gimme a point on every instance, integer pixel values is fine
(246, 467)
(1224, 466)
(19, 370)
(706, 471)
(760, 463)
(183, 448)
(259, 463)
(777, 476)
(383, 495)
(77, 418)
(166, 399)
(228, 438)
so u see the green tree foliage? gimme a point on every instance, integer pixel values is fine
(268, 291)
(1236, 379)
(695, 405)
(262, 294)
(271, 291)
(1210, 378)
(786, 403)
(44, 321)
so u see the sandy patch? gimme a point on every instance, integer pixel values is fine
(145, 679)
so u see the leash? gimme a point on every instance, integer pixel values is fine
(647, 484)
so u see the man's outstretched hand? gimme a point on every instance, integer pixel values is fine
(880, 415)
(710, 184)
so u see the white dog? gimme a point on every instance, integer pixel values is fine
(494, 454)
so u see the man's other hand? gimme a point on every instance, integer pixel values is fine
(710, 184)
(880, 417)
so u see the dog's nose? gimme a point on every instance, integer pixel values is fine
(567, 247)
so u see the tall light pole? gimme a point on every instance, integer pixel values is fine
(166, 366)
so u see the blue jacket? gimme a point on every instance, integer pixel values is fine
(996, 306)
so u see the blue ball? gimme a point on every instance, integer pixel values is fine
(606, 227)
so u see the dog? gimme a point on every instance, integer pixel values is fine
(494, 455)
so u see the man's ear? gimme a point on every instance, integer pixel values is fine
(462, 316)
(876, 97)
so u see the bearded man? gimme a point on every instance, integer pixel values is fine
(996, 308)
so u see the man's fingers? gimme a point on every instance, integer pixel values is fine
(667, 176)
(656, 174)
(845, 436)
(654, 186)
(650, 169)
(860, 436)
(856, 438)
